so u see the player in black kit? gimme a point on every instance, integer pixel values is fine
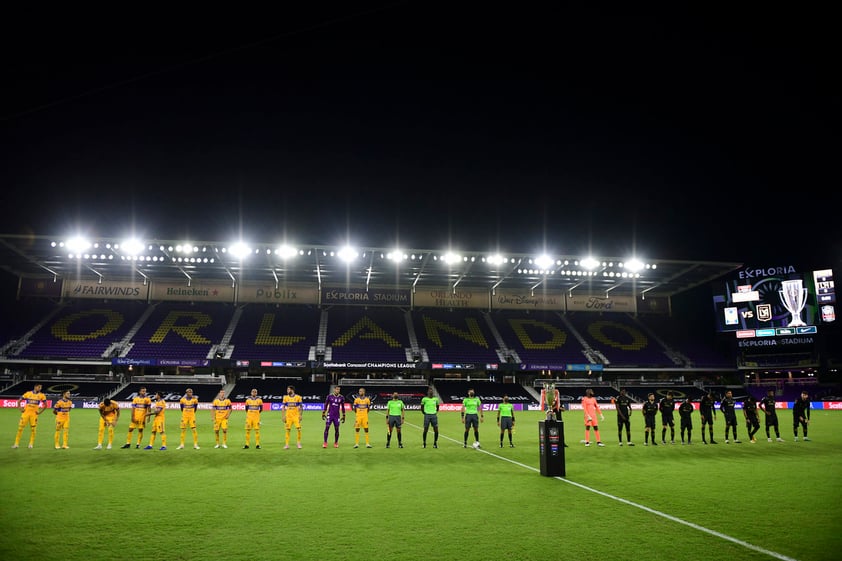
(624, 410)
(650, 411)
(801, 415)
(685, 412)
(750, 413)
(728, 407)
(767, 405)
(667, 409)
(707, 412)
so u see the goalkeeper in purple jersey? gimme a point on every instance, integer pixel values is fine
(332, 410)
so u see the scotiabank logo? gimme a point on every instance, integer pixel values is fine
(834, 405)
(10, 403)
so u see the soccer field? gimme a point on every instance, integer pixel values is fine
(724, 502)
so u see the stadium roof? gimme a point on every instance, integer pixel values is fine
(215, 261)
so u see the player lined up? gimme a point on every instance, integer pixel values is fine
(707, 413)
(333, 413)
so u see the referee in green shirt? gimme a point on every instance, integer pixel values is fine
(430, 408)
(471, 415)
(506, 420)
(394, 418)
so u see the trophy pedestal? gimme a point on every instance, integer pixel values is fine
(551, 448)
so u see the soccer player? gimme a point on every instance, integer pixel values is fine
(220, 413)
(505, 420)
(750, 414)
(707, 412)
(472, 416)
(31, 406)
(800, 416)
(430, 408)
(667, 409)
(685, 412)
(624, 411)
(334, 405)
(189, 404)
(728, 408)
(254, 405)
(395, 417)
(140, 406)
(292, 408)
(158, 412)
(61, 409)
(650, 411)
(767, 405)
(361, 406)
(109, 413)
(591, 409)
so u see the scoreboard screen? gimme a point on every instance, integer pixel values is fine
(776, 301)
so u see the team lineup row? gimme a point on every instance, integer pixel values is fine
(334, 413)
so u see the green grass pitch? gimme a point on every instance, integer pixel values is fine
(724, 502)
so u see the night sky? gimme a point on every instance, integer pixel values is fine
(675, 134)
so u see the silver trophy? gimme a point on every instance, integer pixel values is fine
(549, 400)
(794, 297)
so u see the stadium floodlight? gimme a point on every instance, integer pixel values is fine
(451, 258)
(544, 261)
(77, 244)
(240, 250)
(634, 265)
(347, 254)
(495, 259)
(396, 255)
(286, 251)
(132, 246)
(187, 248)
(589, 262)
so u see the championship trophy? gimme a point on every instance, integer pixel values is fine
(794, 297)
(549, 401)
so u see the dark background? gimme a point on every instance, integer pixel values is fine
(701, 132)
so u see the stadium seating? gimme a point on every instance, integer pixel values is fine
(83, 330)
(460, 336)
(275, 333)
(620, 340)
(181, 331)
(24, 315)
(538, 337)
(692, 341)
(366, 335)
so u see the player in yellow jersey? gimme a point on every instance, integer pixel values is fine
(220, 413)
(61, 409)
(361, 406)
(109, 413)
(158, 414)
(292, 415)
(254, 405)
(31, 406)
(140, 407)
(189, 403)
